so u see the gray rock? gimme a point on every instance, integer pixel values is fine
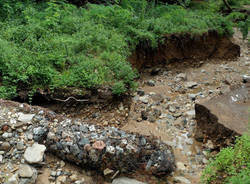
(39, 133)
(13, 179)
(193, 96)
(25, 171)
(25, 118)
(125, 180)
(189, 141)
(5, 135)
(157, 98)
(83, 141)
(34, 154)
(1, 159)
(144, 99)
(172, 109)
(182, 180)
(53, 173)
(61, 179)
(204, 161)
(140, 92)
(20, 146)
(191, 113)
(191, 84)
(29, 136)
(150, 83)
(182, 76)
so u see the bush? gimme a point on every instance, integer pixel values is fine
(53, 44)
(231, 165)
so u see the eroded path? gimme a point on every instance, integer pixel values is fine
(162, 107)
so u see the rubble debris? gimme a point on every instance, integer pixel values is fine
(89, 146)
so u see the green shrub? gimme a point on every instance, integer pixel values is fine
(53, 44)
(231, 165)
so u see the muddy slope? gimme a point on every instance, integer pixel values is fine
(179, 47)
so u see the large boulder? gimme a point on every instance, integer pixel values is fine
(223, 117)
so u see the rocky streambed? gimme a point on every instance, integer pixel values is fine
(151, 139)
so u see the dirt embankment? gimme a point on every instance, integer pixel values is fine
(180, 47)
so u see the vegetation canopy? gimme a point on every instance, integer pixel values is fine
(55, 44)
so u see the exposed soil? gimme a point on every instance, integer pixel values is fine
(179, 47)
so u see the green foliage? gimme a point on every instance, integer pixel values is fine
(53, 44)
(231, 165)
(239, 19)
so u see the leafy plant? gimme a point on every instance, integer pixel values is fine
(231, 165)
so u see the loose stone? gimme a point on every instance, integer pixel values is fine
(182, 180)
(20, 146)
(25, 171)
(34, 154)
(25, 117)
(125, 180)
(5, 146)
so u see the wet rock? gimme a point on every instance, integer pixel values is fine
(34, 154)
(182, 180)
(125, 180)
(5, 146)
(25, 118)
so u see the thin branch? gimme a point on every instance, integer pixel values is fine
(71, 97)
(227, 5)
